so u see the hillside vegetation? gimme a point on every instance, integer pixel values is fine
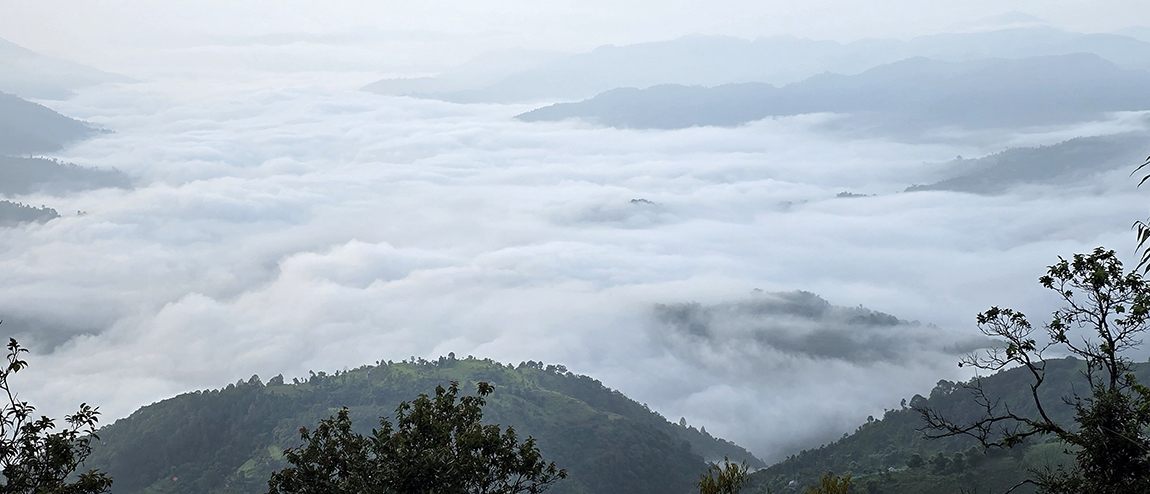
(29, 175)
(231, 440)
(14, 213)
(29, 128)
(879, 454)
(1064, 163)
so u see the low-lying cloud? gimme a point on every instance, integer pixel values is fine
(803, 325)
(281, 231)
(751, 356)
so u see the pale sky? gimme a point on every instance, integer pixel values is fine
(102, 33)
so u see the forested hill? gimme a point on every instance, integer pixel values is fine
(14, 213)
(230, 440)
(29, 175)
(879, 454)
(29, 128)
(1065, 163)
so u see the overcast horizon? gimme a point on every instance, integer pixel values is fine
(127, 35)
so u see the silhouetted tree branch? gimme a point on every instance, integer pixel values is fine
(33, 458)
(1104, 313)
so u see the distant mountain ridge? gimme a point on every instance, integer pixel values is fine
(1063, 162)
(27, 128)
(31, 75)
(230, 440)
(780, 60)
(20, 176)
(30, 128)
(15, 213)
(902, 96)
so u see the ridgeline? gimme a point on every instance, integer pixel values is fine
(231, 440)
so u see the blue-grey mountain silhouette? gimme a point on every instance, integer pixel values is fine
(31, 75)
(906, 95)
(779, 60)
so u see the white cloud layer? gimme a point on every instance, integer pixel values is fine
(281, 230)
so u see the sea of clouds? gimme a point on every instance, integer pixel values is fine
(278, 227)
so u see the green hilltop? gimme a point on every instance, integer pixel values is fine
(231, 440)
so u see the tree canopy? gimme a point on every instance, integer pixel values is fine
(728, 478)
(34, 457)
(438, 445)
(830, 484)
(230, 440)
(1104, 314)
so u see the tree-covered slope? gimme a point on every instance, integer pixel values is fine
(230, 440)
(14, 213)
(1066, 162)
(29, 128)
(879, 453)
(27, 175)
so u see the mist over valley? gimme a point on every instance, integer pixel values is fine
(772, 237)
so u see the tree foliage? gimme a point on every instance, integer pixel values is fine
(1105, 313)
(231, 440)
(728, 478)
(1142, 228)
(830, 484)
(438, 445)
(34, 458)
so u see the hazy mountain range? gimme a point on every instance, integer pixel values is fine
(1061, 163)
(229, 440)
(29, 128)
(19, 176)
(14, 213)
(31, 75)
(482, 71)
(715, 60)
(905, 96)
